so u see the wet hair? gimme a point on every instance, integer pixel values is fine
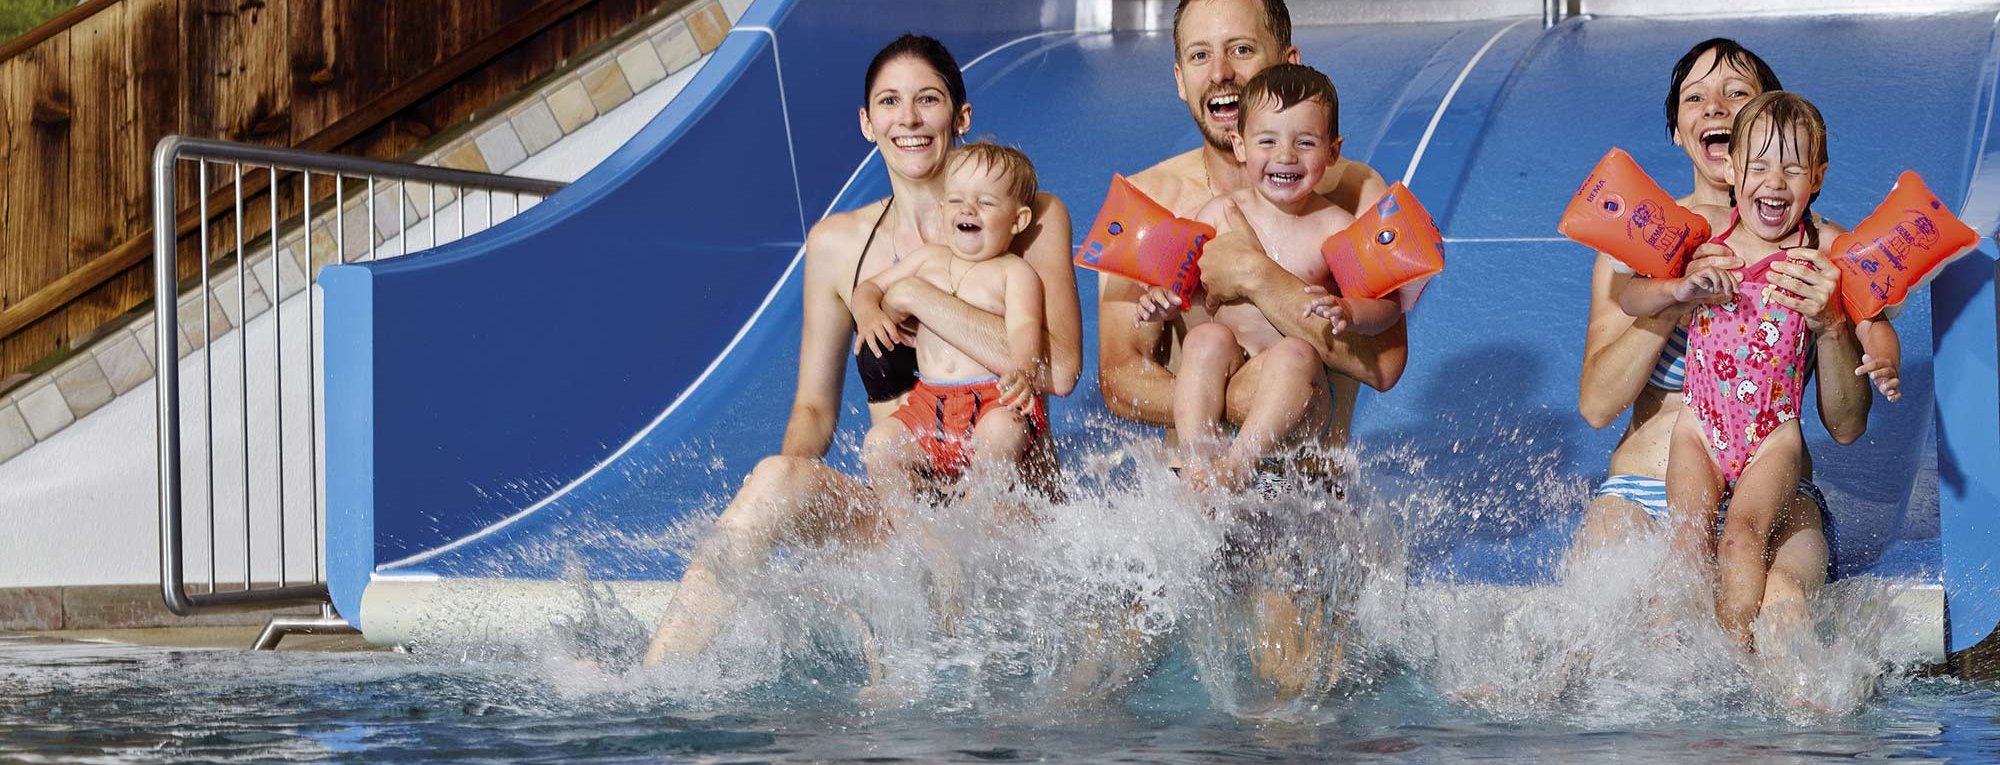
(1786, 111)
(922, 48)
(1277, 21)
(1726, 51)
(1014, 164)
(1292, 84)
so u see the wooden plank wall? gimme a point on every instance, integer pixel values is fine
(81, 111)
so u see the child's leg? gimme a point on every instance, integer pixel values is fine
(1289, 400)
(1694, 491)
(1768, 484)
(1209, 356)
(892, 455)
(1000, 442)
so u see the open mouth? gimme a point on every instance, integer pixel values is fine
(970, 228)
(1772, 211)
(1223, 108)
(1283, 180)
(913, 142)
(1715, 142)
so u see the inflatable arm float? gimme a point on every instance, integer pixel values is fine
(1393, 247)
(1621, 212)
(1137, 238)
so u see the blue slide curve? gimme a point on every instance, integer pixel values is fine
(563, 387)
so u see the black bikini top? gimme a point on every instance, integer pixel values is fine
(894, 373)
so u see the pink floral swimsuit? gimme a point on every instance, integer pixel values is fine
(1746, 366)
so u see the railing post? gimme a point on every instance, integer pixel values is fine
(166, 158)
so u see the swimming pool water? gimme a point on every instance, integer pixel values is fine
(70, 702)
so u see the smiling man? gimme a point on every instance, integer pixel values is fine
(1218, 46)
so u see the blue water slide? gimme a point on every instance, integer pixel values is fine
(559, 390)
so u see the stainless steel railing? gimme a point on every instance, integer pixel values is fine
(269, 576)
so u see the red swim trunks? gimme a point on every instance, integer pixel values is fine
(942, 416)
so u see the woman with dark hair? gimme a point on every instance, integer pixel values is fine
(1637, 363)
(913, 109)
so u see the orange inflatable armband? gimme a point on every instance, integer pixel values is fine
(1621, 212)
(1897, 247)
(1135, 237)
(1392, 248)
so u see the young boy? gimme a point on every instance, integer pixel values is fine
(1290, 133)
(962, 413)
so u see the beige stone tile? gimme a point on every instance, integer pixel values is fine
(536, 125)
(675, 44)
(501, 146)
(324, 252)
(124, 362)
(15, 437)
(607, 87)
(45, 410)
(642, 65)
(465, 157)
(735, 9)
(189, 316)
(571, 106)
(238, 309)
(144, 331)
(384, 205)
(31, 608)
(709, 25)
(356, 237)
(288, 276)
(83, 385)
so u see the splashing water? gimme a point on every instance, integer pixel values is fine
(1134, 590)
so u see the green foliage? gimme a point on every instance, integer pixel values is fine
(19, 16)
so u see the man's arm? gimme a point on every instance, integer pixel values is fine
(1234, 267)
(1134, 384)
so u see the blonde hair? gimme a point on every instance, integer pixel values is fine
(1011, 161)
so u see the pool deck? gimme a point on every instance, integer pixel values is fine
(225, 637)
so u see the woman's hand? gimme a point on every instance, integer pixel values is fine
(1806, 282)
(874, 330)
(1706, 284)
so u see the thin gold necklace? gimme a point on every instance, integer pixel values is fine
(960, 281)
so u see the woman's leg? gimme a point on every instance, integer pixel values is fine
(1743, 556)
(784, 500)
(1608, 520)
(891, 453)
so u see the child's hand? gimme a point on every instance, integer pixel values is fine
(1884, 373)
(1159, 305)
(1330, 307)
(1705, 285)
(878, 333)
(1017, 391)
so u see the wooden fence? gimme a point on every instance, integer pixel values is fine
(84, 99)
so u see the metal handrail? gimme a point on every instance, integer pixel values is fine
(274, 164)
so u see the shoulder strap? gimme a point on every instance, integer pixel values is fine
(858, 262)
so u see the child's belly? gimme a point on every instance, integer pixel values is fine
(1253, 331)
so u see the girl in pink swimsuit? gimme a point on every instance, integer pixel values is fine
(1738, 440)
